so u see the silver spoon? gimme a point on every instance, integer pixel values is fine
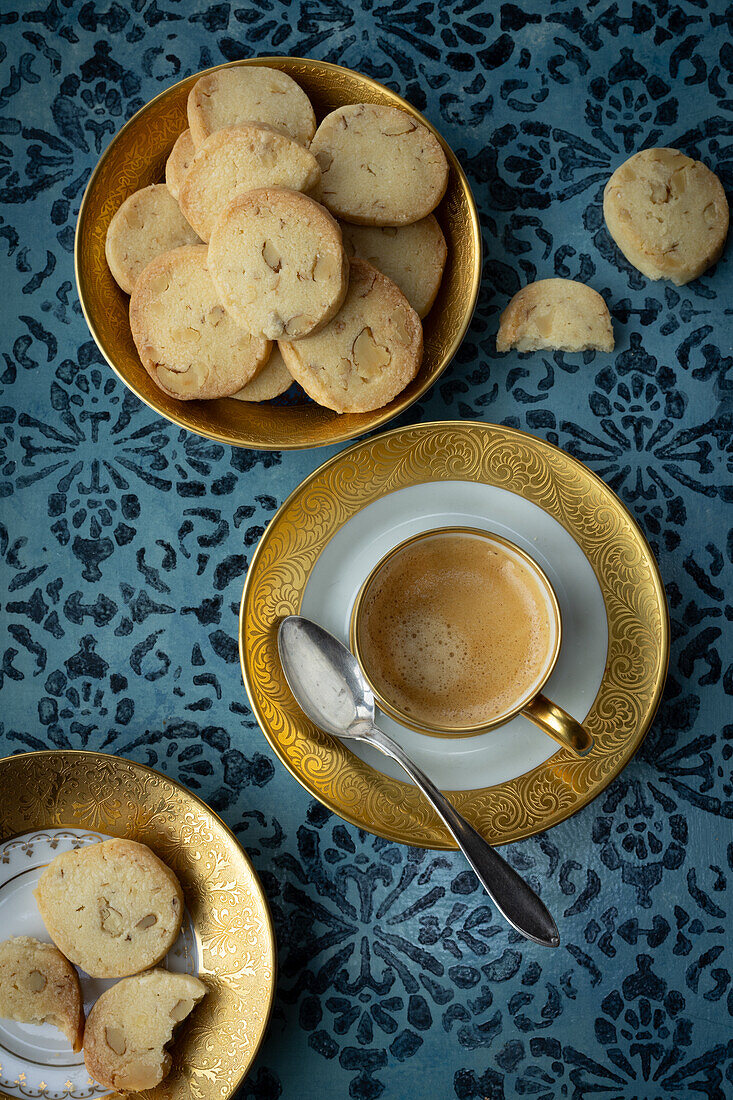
(328, 683)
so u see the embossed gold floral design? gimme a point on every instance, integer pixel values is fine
(226, 903)
(636, 610)
(136, 157)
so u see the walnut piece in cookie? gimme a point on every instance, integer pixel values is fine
(131, 1024)
(249, 93)
(278, 263)
(667, 213)
(555, 313)
(367, 354)
(379, 165)
(147, 224)
(39, 986)
(186, 340)
(112, 908)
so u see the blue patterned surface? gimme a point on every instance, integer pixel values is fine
(124, 543)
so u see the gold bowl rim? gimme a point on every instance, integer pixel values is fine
(94, 757)
(338, 434)
(456, 731)
(546, 795)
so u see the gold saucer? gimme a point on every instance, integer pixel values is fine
(136, 157)
(605, 532)
(232, 928)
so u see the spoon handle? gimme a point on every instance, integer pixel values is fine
(513, 897)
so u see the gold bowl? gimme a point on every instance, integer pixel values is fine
(136, 157)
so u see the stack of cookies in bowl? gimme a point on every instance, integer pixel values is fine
(280, 251)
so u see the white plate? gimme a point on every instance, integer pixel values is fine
(468, 763)
(37, 1059)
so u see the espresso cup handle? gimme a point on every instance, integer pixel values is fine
(556, 722)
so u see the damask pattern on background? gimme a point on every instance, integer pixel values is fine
(124, 542)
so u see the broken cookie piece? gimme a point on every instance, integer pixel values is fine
(39, 986)
(131, 1024)
(667, 213)
(558, 314)
(112, 908)
(367, 353)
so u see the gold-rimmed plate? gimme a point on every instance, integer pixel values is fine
(317, 550)
(56, 800)
(136, 157)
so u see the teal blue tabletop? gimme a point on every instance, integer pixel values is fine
(125, 542)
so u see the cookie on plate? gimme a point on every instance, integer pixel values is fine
(367, 354)
(130, 1025)
(242, 158)
(249, 93)
(112, 908)
(39, 986)
(273, 379)
(278, 263)
(556, 313)
(379, 165)
(413, 256)
(178, 163)
(186, 340)
(667, 213)
(148, 223)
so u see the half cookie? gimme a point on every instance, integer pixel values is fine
(147, 224)
(249, 93)
(113, 908)
(667, 213)
(130, 1025)
(239, 159)
(367, 354)
(187, 341)
(278, 263)
(556, 314)
(379, 165)
(39, 986)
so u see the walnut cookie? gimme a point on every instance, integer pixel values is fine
(112, 908)
(186, 340)
(39, 986)
(413, 256)
(555, 313)
(667, 213)
(130, 1025)
(148, 223)
(249, 93)
(178, 163)
(379, 165)
(237, 159)
(367, 354)
(278, 263)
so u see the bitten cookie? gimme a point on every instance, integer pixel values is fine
(667, 213)
(555, 313)
(367, 354)
(39, 986)
(147, 224)
(278, 263)
(273, 379)
(112, 908)
(241, 158)
(178, 163)
(249, 93)
(186, 340)
(413, 256)
(130, 1025)
(379, 165)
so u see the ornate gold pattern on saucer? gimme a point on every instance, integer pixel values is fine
(136, 157)
(226, 904)
(638, 627)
